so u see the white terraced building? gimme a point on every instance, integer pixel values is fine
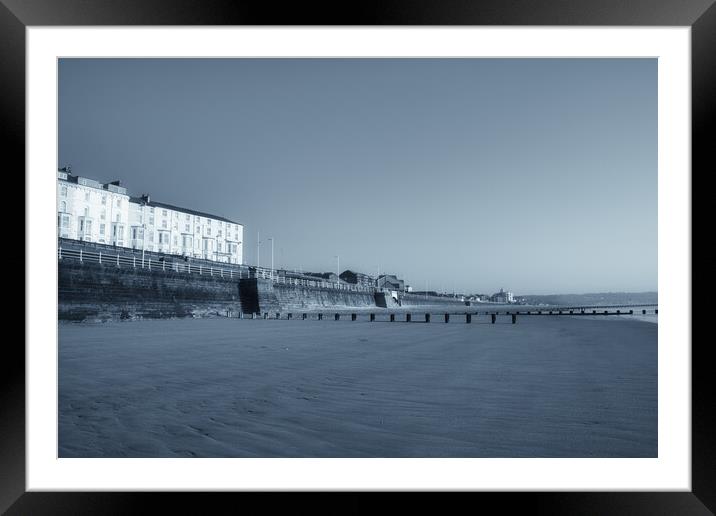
(105, 213)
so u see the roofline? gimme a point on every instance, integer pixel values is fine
(154, 204)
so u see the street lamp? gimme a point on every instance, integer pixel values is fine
(271, 258)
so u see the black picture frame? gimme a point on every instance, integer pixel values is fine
(16, 15)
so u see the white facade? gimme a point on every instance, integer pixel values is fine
(104, 213)
(90, 211)
(168, 229)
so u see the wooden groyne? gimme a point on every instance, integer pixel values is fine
(457, 316)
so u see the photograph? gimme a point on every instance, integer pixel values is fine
(357, 257)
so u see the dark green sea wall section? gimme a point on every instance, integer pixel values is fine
(92, 291)
(280, 298)
(97, 292)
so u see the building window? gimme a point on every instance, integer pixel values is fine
(119, 203)
(63, 206)
(151, 220)
(164, 213)
(104, 199)
(63, 191)
(103, 215)
(86, 211)
(208, 230)
(87, 196)
(164, 224)
(187, 217)
(118, 217)
(101, 229)
(176, 241)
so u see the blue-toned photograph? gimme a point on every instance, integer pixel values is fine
(357, 257)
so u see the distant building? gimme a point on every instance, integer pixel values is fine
(503, 297)
(105, 213)
(328, 276)
(357, 278)
(390, 282)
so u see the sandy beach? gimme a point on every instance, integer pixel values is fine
(546, 387)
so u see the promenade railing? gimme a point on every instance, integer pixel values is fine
(129, 258)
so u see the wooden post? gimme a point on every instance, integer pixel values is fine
(337, 317)
(468, 318)
(305, 316)
(241, 315)
(353, 317)
(289, 316)
(447, 318)
(408, 318)
(392, 317)
(494, 318)
(372, 317)
(643, 312)
(427, 317)
(320, 317)
(278, 315)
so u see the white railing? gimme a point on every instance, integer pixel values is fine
(168, 263)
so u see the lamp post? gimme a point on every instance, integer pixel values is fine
(258, 252)
(338, 266)
(271, 258)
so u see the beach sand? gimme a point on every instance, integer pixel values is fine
(546, 387)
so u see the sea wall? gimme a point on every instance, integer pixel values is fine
(277, 297)
(92, 291)
(95, 291)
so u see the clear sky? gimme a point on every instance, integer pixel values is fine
(534, 175)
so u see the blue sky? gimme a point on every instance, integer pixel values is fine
(535, 175)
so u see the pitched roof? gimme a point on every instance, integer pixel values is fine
(155, 204)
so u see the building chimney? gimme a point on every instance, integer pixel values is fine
(145, 198)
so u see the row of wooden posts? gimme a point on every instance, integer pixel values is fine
(337, 317)
(468, 316)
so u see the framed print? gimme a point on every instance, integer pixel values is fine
(409, 249)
